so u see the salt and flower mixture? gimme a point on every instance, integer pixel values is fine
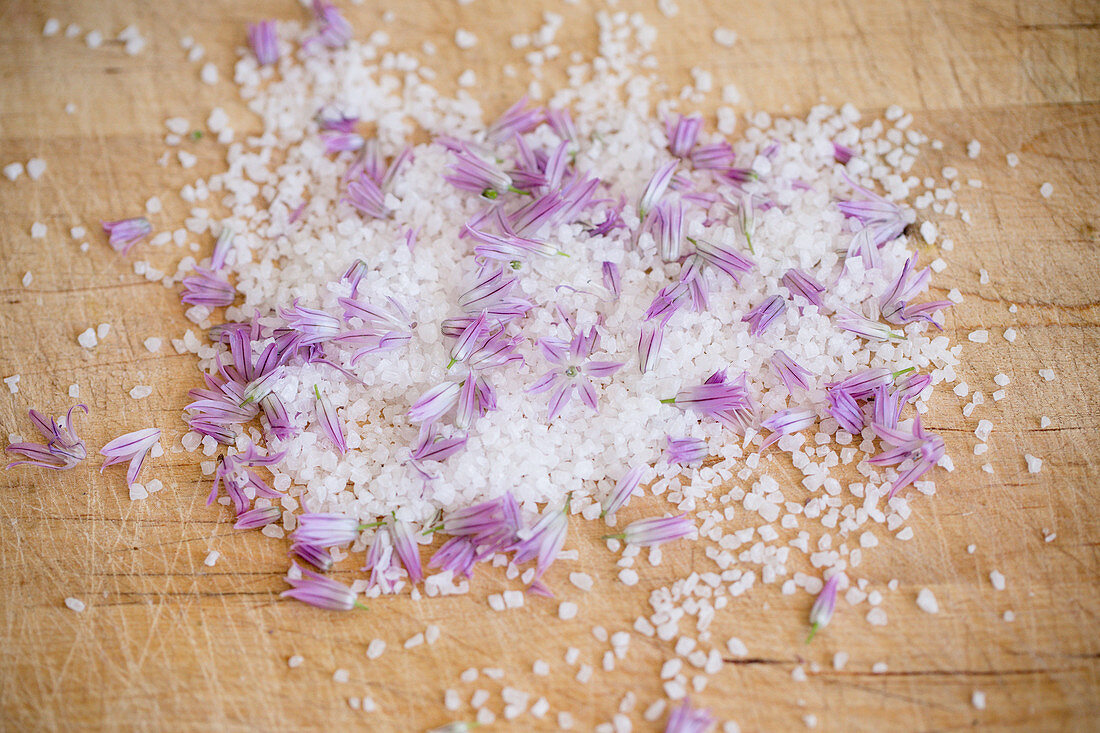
(429, 355)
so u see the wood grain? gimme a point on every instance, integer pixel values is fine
(169, 644)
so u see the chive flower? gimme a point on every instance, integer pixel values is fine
(685, 451)
(264, 40)
(786, 422)
(624, 489)
(791, 374)
(63, 448)
(686, 719)
(125, 233)
(132, 447)
(254, 518)
(317, 590)
(822, 610)
(573, 371)
(764, 314)
(655, 531)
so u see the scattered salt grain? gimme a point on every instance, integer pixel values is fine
(1034, 465)
(1009, 616)
(13, 171)
(961, 389)
(341, 676)
(431, 634)
(211, 558)
(977, 699)
(1047, 374)
(954, 295)
(94, 39)
(998, 395)
(1012, 159)
(581, 580)
(138, 492)
(928, 231)
(973, 149)
(74, 391)
(567, 610)
(839, 660)
(38, 230)
(540, 668)
(13, 383)
(377, 646)
(53, 25)
(414, 641)
(879, 668)
(75, 604)
(983, 277)
(979, 337)
(209, 73)
(102, 330)
(1044, 422)
(927, 602)
(87, 339)
(140, 392)
(465, 39)
(725, 37)
(28, 278)
(295, 661)
(152, 344)
(35, 168)
(997, 579)
(1046, 190)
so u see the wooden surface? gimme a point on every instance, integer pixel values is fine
(167, 643)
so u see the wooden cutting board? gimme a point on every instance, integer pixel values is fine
(167, 643)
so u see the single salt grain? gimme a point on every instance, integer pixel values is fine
(295, 661)
(998, 395)
(102, 330)
(1046, 190)
(879, 668)
(1034, 465)
(954, 295)
(465, 39)
(468, 675)
(211, 558)
(997, 580)
(1044, 422)
(983, 277)
(75, 604)
(725, 37)
(513, 598)
(839, 660)
(38, 230)
(187, 160)
(94, 39)
(377, 646)
(341, 675)
(927, 602)
(87, 339)
(1047, 374)
(1009, 616)
(53, 25)
(928, 231)
(35, 168)
(627, 576)
(567, 610)
(977, 699)
(209, 73)
(152, 344)
(414, 641)
(28, 278)
(581, 580)
(13, 171)
(979, 337)
(973, 149)
(140, 392)
(540, 668)
(1012, 159)
(431, 634)
(961, 389)
(138, 492)
(737, 647)
(13, 383)
(985, 427)
(74, 391)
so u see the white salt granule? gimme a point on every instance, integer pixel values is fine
(1044, 422)
(998, 395)
(35, 168)
(75, 604)
(737, 647)
(38, 230)
(209, 73)
(467, 78)
(979, 337)
(725, 37)
(984, 429)
(567, 610)
(414, 641)
(138, 492)
(540, 668)
(13, 171)
(513, 598)
(28, 278)
(983, 277)
(1046, 190)
(295, 661)
(140, 392)
(94, 39)
(74, 391)
(1047, 374)
(927, 602)
(581, 580)
(72, 30)
(928, 231)
(1001, 379)
(377, 646)
(431, 634)
(1012, 159)
(152, 344)
(187, 160)
(997, 580)
(341, 676)
(211, 558)
(977, 699)
(13, 383)
(1034, 465)
(961, 389)
(87, 339)
(839, 660)
(1009, 616)
(879, 668)
(973, 149)
(1010, 335)
(102, 330)
(53, 25)
(465, 39)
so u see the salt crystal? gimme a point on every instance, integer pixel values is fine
(13, 171)
(53, 25)
(1010, 335)
(997, 580)
(341, 675)
(87, 339)
(140, 392)
(377, 646)
(1034, 465)
(464, 39)
(1044, 422)
(209, 73)
(977, 699)
(973, 149)
(927, 602)
(725, 37)
(979, 337)
(295, 661)
(1047, 374)
(102, 330)
(1046, 190)
(211, 558)
(567, 610)
(581, 580)
(152, 344)
(928, 232)
(1012, 159)
(35, 168)
(75, 604)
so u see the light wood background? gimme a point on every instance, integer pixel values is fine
(169, 644)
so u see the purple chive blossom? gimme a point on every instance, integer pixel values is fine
(793, 375)
(561, 122)
(264, 40)
(207, 287)
(885, 219)
(470, 173)
(649, 346)
(573, 370)
(131, 447)
(686, 719)
(435, 403)
(864, 247)
(723, 258)
(326, 530)
(468, 340)
(316, 556)
(746, 213)
(861, 385)
(686, 451)
(682, 135)
(611, 279)
(457, 555)
(338, 141)
(125, 233)
(508, 248)
(258, 389)
(278, 420)
(786, 422)
(667, 227)
(317, 590)
(404, 545)
(542, 541)
(912, 385)
(379, 561)
(63, 448)
(922, 448)
(822, 610)
(842, 153)
(333, 30)
(613, 219)
(484, 519)
(254, 518)
(764, 314)
(716, 397)
(655, 531)
(516, 120)
(331, 424)
(534, 217)
(799, 282)
(624, 489)
(222, 247)
(852, 322)
(433, 447)
(886, 408)
(894, 303)
(656, 188)
(365, 196)
(845, 410)
(713, 156)
(314, 326)
(242, 484)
